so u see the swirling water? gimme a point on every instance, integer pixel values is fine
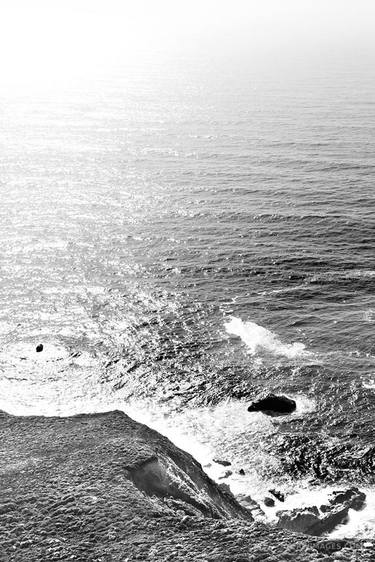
(179, 241)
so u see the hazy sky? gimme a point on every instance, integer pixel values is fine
(71, 36)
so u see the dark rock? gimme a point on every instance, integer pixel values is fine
(222, 462)
(353, 498)
(250, 504)
(273, 405)
(226, 475)
(242, 472)
(39, 348)
(269, 502)
(225, 488)
(313, 454)
(278, 495)
(308, 520)
(311, 522)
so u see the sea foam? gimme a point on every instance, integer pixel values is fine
(258, 339)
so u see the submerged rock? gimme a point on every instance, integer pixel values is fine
(226, 474)
(39, 348)
(273, 405)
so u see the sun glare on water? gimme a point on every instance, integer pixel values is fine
(43, 42)
(47, 41)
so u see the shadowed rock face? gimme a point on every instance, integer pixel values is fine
(307, 520)
(103, 488)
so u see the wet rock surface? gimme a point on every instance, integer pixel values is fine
(308, 520)
(103, 488)
(312, 521)
(278, 495)
(273, 405)
(353, 498)
(222, 462)
(269, 502)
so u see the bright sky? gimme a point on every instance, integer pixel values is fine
(68, 37)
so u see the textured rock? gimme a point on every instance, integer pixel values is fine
(352, 498)
(269, 502)
(308, 520)
(103, 488)
(278, 495)
(323, 459)
(273, 405)
(312, 522)
(222, 462)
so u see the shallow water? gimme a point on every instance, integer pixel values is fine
(181, 240)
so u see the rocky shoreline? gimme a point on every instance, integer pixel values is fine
(103, 488)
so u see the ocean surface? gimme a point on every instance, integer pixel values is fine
(182, 239)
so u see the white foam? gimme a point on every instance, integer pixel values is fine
(369, 315)
(305, 404)
(369, 383)
(361, 524)
(259, 339)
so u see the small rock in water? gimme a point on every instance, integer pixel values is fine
(242, 472)
(222, 462)
(269, 502)
(273, 405)
(39, 348)
(226, 475)
(278, 495)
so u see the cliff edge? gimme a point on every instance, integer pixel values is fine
(103, 488)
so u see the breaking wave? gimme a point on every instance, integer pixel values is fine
(258, 339)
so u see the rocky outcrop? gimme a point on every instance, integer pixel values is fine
(222, 462)
(273, 405)
(352, 498)
(278, 495)
(269, 502)
(104, 488)
(308, 520)
(312, 521)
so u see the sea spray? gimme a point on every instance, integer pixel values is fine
(257, 338)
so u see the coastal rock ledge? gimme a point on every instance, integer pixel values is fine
(104, 488)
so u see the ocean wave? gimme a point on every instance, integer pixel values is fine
(369, 383)
(257, 338)
(369, 315)
(345, 274)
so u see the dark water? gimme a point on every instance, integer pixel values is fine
(179, 241)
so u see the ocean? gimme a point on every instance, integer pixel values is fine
(182, 239)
